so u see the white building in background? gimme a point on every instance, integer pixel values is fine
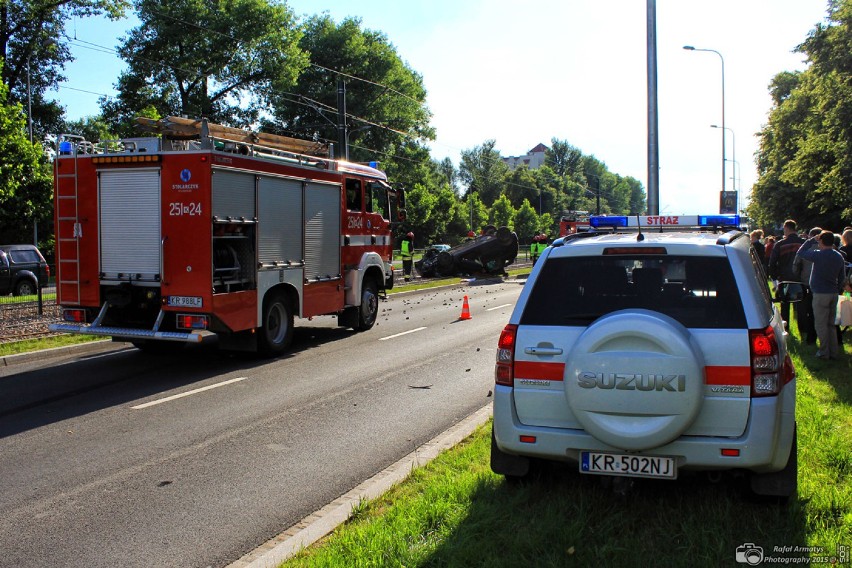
(533, 159)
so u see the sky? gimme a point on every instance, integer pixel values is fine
(576, 70)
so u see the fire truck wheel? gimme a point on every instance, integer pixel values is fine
(277, 331)
(369, 305)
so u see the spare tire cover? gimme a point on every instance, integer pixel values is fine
(635, 379)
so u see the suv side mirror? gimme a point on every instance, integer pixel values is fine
(789, 292)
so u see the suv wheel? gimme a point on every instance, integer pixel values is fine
(25, 287)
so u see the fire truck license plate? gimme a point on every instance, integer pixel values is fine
(185, 301)
(627, 465)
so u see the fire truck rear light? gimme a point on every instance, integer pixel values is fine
(191, 321)
(76, 316)
(528, 439)
(731, 452)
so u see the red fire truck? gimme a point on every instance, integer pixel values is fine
(208, 230)
(572, 222)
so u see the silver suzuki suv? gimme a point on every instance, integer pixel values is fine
(643, 352)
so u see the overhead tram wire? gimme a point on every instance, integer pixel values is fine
(96, 47)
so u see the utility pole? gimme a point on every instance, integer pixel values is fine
(653, 131)
(341, 120)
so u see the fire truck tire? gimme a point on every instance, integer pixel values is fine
(369, 309)
(275, 336)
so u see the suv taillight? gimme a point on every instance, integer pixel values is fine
(504, 372)
(768, 373)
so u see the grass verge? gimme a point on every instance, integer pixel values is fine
(28, 345)
(456, 512)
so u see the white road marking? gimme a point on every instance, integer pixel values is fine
(403, 333)
(188, 393)
(498, 307)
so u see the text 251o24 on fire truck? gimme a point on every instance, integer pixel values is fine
(214, 231)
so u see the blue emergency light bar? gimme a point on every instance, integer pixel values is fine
(654, 221)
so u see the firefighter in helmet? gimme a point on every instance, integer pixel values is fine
(407, 249)
(534, 249)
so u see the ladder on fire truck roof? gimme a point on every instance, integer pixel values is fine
(178, 128)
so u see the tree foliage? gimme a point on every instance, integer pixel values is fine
(223, 60)
(805, 155)
(32, 36)
(482, 170)
(25, 180)
(385, 98)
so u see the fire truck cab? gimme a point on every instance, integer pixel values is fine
(572, 222)
(208, 230)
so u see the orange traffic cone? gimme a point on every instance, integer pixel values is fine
(465, 315)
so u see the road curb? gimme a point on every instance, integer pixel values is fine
(320, 523)
(79, 349)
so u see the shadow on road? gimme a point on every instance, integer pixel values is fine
(69, 388)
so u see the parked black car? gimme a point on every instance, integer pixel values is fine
(22, 267)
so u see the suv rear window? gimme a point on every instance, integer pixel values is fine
(24, 256)
(699, 292)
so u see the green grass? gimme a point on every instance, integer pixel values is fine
(45, 297)
(456, 512)
(27, 345)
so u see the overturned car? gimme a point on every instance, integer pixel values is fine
(490, 253)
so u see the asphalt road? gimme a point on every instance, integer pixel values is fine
(124, 459)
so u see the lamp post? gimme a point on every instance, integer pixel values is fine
(722, 59)
(733, 154)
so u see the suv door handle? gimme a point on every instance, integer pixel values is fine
(543, 350)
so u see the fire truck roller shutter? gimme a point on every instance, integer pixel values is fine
(130, 223)
(233, 195)
(279, 220)
(322, 231)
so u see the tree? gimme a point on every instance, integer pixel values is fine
(385, 98)
(526, 222)
(91, 128)
(448, 170)
(502, 213)
(563, 158)
(25, 179)
(32, 35)
(521, 185)
(224, 61)
(482, 170)
(805, 154)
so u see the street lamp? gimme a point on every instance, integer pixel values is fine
(691, 48)
(734, 154)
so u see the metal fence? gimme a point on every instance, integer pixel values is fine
(25, 317)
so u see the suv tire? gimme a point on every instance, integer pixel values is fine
(25, 287)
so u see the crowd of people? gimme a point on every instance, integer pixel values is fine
(822, 262)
